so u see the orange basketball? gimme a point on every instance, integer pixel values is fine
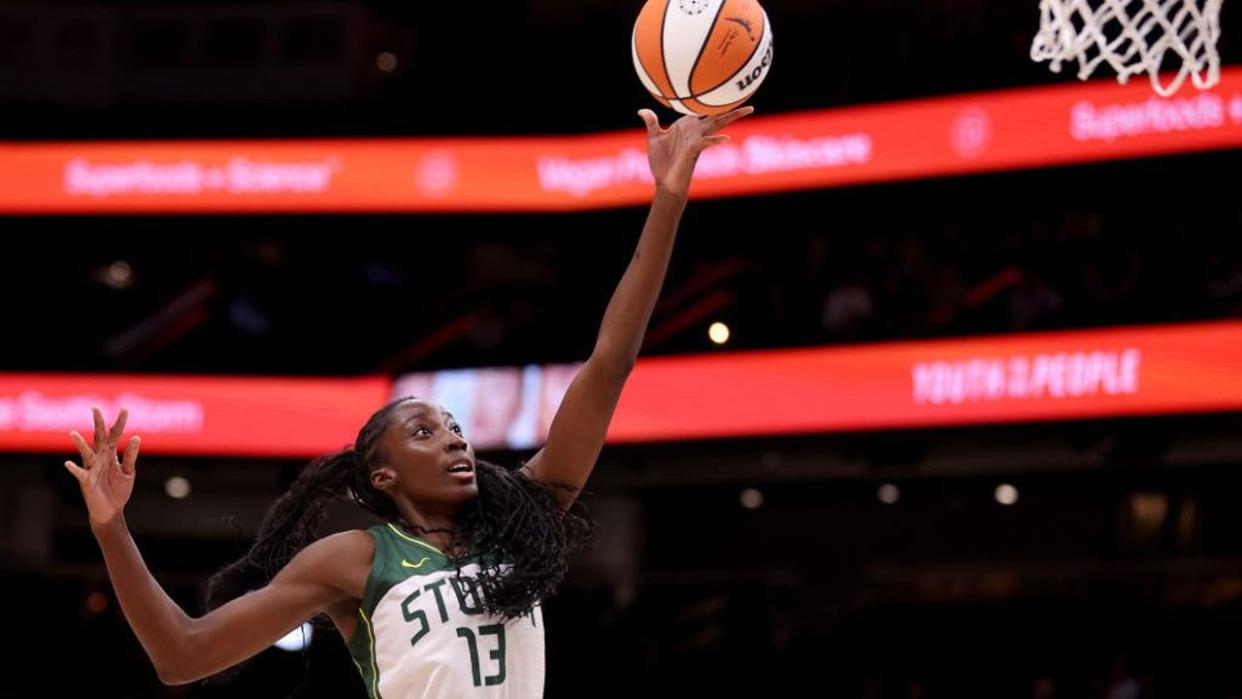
(702, 56)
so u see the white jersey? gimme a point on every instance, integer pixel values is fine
(422, 633)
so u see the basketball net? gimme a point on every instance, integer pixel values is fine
(1133, 36)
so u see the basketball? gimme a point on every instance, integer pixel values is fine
(702, 57)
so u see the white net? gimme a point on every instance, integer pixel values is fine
(1133, 36)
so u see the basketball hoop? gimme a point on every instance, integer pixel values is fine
(1133, 36)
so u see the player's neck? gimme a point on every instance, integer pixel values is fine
(437, 529)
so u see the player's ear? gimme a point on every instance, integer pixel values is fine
(383, 478)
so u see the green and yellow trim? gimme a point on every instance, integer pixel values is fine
(374, 670)
(412, 540)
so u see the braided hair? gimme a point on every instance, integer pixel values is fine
(515, 526)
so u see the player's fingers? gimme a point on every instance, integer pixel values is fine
(712, 141)
(100, 432)
(83, 450)
(131, 455)
(77, 471)
(720, 121)
(118, 429)
(650, 120)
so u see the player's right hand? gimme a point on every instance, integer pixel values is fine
(106, 481)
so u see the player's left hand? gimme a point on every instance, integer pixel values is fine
(673, 152)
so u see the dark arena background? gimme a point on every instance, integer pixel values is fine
(975, 431)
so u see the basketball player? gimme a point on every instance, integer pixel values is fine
(442, 600)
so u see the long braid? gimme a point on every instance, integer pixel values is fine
(517, 522)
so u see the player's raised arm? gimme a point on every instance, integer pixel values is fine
(581, 422)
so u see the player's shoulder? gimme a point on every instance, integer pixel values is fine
(355, 542)
(343, 559)
(354, 545)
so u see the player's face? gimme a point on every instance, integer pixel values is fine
(424, 456)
